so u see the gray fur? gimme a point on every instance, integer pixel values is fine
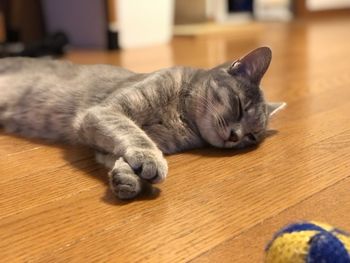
(131, 119)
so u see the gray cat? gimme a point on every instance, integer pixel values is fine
(131, 119)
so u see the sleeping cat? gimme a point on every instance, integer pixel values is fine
(131, 119)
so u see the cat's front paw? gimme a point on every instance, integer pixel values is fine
(148, 164)
(123, 181)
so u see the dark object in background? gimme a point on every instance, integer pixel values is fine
(84, 21)
(240, 6)
(113, 40)
(53, 45)
(112, 28)
(30, 26)
(23, 20)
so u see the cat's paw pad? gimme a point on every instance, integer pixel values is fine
(123, 181)
(148, 164)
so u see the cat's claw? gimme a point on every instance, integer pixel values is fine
(123, 181)
(150, 165)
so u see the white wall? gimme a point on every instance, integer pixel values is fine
(315, 5)
(144, 23)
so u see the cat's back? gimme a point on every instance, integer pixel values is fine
(22, 65)
(17, 75)
(48, 85)
(59, 68)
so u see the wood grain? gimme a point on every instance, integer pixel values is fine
(215, 206)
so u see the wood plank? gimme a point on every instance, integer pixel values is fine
(249, 181)
(325, 206)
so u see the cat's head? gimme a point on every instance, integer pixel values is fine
(232, 111)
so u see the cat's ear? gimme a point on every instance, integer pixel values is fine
(253, 65)
(274, 107)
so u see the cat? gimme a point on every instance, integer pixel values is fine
(132, 119)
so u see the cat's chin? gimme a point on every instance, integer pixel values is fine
(242, 144)
(224, 144)
(229, 145)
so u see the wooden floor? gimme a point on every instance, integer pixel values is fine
(215, 206)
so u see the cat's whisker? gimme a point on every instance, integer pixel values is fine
(222, 123)
(219, 120)
(210, 106)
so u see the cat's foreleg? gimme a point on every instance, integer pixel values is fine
(123, 181)
(118, 135)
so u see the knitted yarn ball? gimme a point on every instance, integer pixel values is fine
(309, 242)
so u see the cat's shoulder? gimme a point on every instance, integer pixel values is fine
(178, 72)
(107, 68)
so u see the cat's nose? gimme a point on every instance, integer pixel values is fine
(233, 137)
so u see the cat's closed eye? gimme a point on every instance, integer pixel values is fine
(239, 109)
(248, 106)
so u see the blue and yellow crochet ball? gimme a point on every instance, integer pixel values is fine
(309, 242)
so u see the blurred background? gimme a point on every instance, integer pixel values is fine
(52, 28)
